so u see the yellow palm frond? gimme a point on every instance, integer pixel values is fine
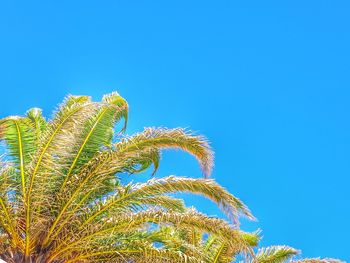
(162, 138)
(231, 205)
(274, 254)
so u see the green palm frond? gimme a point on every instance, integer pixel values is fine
(162, 202)
(140, 240)
(89, 182)
(252, 238)
(126, 157)
(208, 188)
(133, 222)
(19, 135)
(48, 162)
(140, 162)
(8, 185)
(96, 134)
(98, 131)
(188, 240)
(137, 254)
(100, 167)
(275, 254)
(38, 122)
(219, 250)
(220, 254)
(7, 220)
(161, 138)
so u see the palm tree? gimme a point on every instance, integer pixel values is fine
(61, 199)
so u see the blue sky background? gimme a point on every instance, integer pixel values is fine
(266, 81)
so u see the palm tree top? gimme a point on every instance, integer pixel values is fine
(61, 198)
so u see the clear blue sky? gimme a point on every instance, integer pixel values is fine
(266, 81)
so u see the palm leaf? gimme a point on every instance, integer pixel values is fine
(208, 188)
(128, 222)
(20, 138)
(162, 138)
(50, 157)
(8, 218)
(98, 131)
(38, 122)
(274, 254)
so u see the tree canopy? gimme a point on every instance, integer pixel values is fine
(62, 200)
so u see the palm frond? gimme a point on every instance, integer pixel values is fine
(161, 202)
(230, 205)
(129, 222)
(8, 217)
(317, 260)
(38, 122)
(98, 131)
(48, 162)
(155, 239)
(148, 255)
(220, 253)
(127, 156)
(20, 138)
(274, 254)
(161, 138)
(92, 179)
(7, 220)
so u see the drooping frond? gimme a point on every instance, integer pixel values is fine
(274, 254)
(137, 254)
(142, 161)
(161, 138)
(143, 150)
(161, 202)
(141, 240)
(92, 179)
(141, 194)
(128, 222)
(231, 205)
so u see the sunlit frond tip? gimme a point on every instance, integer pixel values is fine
(275, 254)
(163, 138)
